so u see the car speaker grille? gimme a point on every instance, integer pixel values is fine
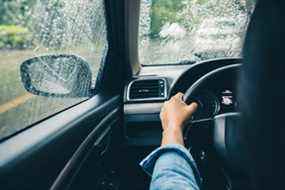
(147, 89)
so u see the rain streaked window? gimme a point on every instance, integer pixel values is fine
(30, 28)
(181, 31)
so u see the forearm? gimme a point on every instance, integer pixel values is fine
(172, 171)
(172, 136)
(172, 167)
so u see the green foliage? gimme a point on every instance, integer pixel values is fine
(179, 11)
(15, 12)
(14, 37)
(163, 11)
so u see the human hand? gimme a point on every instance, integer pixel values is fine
(173, 116)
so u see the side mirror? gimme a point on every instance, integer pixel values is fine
(57, 76)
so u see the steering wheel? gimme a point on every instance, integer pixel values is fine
(225, 140)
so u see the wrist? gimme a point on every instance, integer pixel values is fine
(172, 136)
(173, 131)
(173, 127)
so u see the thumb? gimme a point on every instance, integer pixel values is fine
(192, 107)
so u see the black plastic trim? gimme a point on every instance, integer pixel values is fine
(94, 139)
(129, 99)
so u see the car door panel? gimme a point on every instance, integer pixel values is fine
(94, 145)
(33, 158)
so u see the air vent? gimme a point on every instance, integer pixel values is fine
(147, 89)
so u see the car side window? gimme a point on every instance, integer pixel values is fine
(61, 43)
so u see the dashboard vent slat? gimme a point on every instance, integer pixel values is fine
(147, 89)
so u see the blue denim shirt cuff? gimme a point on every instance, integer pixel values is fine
(149, 162)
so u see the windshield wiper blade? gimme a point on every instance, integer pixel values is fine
(186, 62)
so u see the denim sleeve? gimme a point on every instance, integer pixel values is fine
(172, 167)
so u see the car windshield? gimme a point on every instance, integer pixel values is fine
(187, 31)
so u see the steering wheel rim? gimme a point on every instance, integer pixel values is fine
(224, 124)
(201, 81)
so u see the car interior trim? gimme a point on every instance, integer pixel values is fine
(147, 99)
(71, 169)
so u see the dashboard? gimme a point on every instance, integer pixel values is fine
(217, 96)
